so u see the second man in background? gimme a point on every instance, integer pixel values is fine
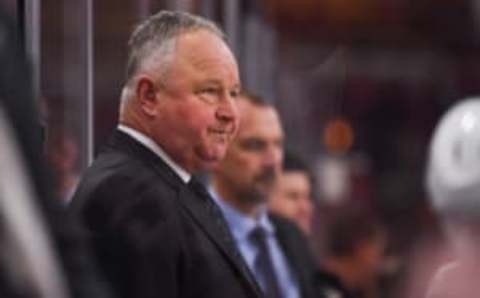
(272, 247)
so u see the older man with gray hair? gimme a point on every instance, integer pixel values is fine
(155, 230)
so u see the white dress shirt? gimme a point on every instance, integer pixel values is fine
(155, 148)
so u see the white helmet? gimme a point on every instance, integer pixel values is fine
(453, 173)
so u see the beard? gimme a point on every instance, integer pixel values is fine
(260, 187)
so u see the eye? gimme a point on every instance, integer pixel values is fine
(292, 197)
(253, 145)
(234, 93)
(209, 90)
(209, 94)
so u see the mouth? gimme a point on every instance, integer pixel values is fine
(217, 131)
(220, 135)
(267, 178)
(220, 132)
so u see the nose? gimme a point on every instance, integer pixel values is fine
(306, 207)
(227, 110)
(274, 156)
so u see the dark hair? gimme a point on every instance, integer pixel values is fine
(293, 162)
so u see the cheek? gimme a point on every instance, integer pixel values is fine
(288, 206)
(236, 159)
(195, 118)
(236, 125)
(230, 165)
(307, 206)
(299, 210)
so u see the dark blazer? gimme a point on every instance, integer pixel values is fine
(152, 235)
(298, 254)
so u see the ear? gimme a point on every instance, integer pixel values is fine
(146, 95)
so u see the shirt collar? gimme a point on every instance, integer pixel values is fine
(241, 224)
(150, 144)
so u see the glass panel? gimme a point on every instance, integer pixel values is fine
(12, 7)
(64, 88)
(114, 22)
(359, 84)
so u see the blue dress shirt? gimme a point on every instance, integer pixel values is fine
(241, 226)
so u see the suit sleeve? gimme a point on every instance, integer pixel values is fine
(135, 238)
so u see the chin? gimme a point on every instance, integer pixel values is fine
(207, 164)
(216, 154)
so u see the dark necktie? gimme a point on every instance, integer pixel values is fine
(263, 263)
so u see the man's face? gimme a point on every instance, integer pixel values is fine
(292, 199)
(254, 160)
(197, 113)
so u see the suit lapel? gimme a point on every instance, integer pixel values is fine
(289, 248)
(189, 201)
(125, 143)
(197, 211)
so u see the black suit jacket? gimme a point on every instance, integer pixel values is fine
(152, 235)
(299, 257)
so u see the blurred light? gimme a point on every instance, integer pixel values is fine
(338, 136)
(333, 179)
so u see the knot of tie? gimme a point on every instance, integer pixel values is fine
(259, 235)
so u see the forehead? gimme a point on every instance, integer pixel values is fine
(259, 121)
(297, 178)
(204, 54)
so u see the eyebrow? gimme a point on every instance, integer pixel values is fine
(211, 82)
(218, 83)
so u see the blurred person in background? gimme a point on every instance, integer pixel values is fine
(292, 196)
(156, 231)
(354, 244)
(273, 247)
(43, 253)
(63, 155)
(453, 182)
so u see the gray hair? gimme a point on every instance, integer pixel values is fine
(154, 38)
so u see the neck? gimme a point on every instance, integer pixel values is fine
(131, 118)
